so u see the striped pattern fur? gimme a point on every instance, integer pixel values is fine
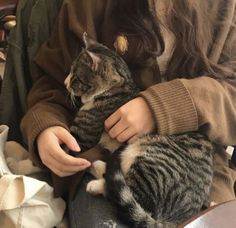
(158, 181)
(167, 183)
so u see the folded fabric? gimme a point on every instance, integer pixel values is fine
(25, 201)
(18, 159)
(3, 138)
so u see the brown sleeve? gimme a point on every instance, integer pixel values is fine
(47, 100)
(215, 103)
(172, 106)
(203, 103)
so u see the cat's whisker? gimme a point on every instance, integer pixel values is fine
(73, 99)
(67, 97)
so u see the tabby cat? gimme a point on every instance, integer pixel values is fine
(157, 181)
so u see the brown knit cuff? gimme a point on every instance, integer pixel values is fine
(172, 106)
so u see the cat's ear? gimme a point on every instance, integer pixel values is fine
(88, 41)
(94, 58)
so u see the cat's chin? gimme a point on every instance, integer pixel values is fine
(89, 97)
(86, 99)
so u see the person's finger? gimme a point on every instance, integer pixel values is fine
(67, 168)
(126, 135)
(63, 170)
(59, 172)
(65, 159)
(133, 139)
(68, 139)
(117, 129)
(112, 120)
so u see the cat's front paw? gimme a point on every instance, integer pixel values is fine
(98, 168)
(213, 203)
(96, 187)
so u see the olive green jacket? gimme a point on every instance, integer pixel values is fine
(35, 19)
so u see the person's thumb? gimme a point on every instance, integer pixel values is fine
(65, 137)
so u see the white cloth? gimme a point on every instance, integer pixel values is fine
(19, 161)
(3, 138)
(26, 202)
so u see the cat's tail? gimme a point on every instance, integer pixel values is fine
(119, 193)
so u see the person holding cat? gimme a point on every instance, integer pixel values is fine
(182, 57)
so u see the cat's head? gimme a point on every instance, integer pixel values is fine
(97, 69)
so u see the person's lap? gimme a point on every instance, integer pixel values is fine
(89, 211)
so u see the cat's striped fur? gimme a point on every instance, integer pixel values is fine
(157, 181)
(104, 84)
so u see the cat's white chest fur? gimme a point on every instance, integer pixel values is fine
(98, 168)
(88, 105)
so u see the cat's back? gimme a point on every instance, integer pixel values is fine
(172, 174)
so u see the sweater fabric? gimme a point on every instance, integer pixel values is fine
(180, 105)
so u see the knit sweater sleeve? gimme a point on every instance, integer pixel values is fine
(48, 103)
(203, 103)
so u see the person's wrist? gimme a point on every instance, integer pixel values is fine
(153, 127)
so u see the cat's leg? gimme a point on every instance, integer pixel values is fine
(74, 129)
(108, 143)
(92, 211)
(98, 168)
(96, 187)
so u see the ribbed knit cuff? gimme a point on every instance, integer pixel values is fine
(172, 106)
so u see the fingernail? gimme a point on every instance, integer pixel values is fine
(76, 148)
(87, 164)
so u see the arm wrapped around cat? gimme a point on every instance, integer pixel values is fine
(152, 181)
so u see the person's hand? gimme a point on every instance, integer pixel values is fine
(54, 157)
(130, 121)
